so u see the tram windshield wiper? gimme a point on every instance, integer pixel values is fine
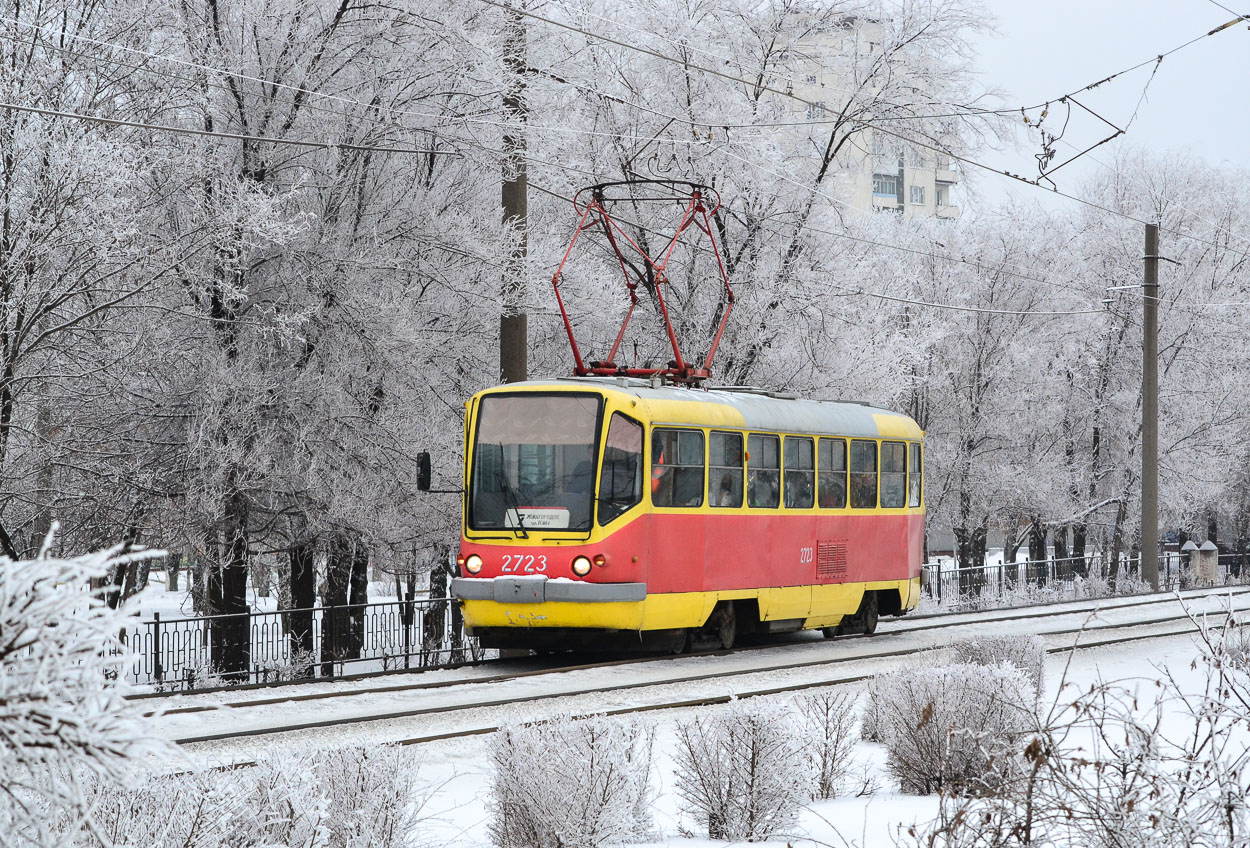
(511, 494)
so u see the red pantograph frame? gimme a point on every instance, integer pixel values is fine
(592, 213)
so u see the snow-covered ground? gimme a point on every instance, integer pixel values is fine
(457, 774)
(457, 770)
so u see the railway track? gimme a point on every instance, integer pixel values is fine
(484, 672)
(456, 707)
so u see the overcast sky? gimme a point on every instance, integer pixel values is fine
(1198, 101)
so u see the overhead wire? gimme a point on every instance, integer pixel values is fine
(1230, 11)
(528, 157)
(864, 123)
(297, 90)
(319, 145)
(682, 44)
(880, 295)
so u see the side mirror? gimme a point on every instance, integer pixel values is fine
(423, 471)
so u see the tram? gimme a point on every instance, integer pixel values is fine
(636, 507)
(619, 513)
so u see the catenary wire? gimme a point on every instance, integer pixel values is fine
(319, 145)
(864, 123)
(328, 145)
(866, 293)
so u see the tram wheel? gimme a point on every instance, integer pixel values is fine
(863, 621)
(871, 611)
(727, 626)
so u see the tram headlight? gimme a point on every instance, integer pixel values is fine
(581, 566)
(473, 563)
(601, 560)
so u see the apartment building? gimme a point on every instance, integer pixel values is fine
(876, 171)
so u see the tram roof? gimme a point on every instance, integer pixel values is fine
(739, 406)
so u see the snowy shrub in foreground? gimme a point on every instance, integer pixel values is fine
(868, 719)
(571, 783)
(828, 725)
(64, 724)
(957, 727)
(1108, 767)
(1027, 653)
(742, 770)
(349, 798)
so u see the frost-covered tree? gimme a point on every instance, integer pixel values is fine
(741, 770)
(593, 788)
(64, 724)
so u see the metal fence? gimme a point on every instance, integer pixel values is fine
(315, 642)
(1091, 576)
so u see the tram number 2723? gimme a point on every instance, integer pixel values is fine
(524, 563)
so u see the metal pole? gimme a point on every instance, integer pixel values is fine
(1150, 412)
(513, 332)
(157, 672)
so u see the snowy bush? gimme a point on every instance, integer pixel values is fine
(349, 798)
(742, 770)
(571, 783)
(192, 810)
(1027, 653)
(868, 718)
(956, 728)
(64, 723)
(1111, 766)
(828, 725)
(297, 665)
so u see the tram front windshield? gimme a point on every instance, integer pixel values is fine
(534, 462)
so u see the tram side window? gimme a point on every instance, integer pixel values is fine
(763, 471)
(800, 473)
(863, 474)
(620, 481)
(832, 473)
(725, 480)
(893, 475)
(913, 496)
(677, 468)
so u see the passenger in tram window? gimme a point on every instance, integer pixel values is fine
(726, 496)
(864, 490)
(762, 489)
(688, 487)
(798, 491)
(832, 491)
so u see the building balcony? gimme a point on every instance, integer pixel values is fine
(948, 212)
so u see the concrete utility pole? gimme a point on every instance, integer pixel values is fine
(513, 342)
(1150, 412)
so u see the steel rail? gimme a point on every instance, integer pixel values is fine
(720, 673)
(938, 622)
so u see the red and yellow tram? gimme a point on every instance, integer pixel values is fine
(619, 513)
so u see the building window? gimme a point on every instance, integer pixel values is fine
(885, 185)
(943, 162)
(915, 157)
(917, 195)
(816, 111)
(811, 78)
(942, 194)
